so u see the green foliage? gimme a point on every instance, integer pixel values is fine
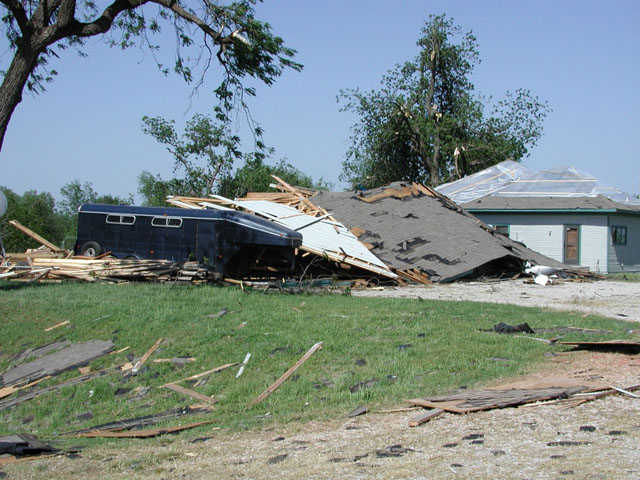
(226, 33)
(76, 193)
(205, 151)
(35, 211)
(255, 176)
(444, 348)
(154, 190)
(425, 124)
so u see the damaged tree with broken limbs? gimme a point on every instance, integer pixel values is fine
(426, 124)
(207, 33)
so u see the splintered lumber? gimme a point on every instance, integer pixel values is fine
(146, 356)
(6, 391)
(10, 402)
(61, 324)
(313, 209)
(424, 417)
(208, 372)
(143, 421)
(286, 375)
(189, 393)
(144, 433)
(36, 237)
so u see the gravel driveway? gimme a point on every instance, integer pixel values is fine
(620, 300)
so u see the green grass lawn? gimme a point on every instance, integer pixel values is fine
(624, 277)
(407, 347)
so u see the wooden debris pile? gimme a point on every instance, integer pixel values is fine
(553, 390)
(52, 263)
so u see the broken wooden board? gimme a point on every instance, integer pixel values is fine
(190, 393)
(73, 356)
(286, 375)
(142, 421)
(10, 402)
(7, 391)
(477, 400)
(136, 368)
(144, 433)
(61, 324)
(510, 395)
(424, 417)
(624, 346)
(208, 372)
(36, 237)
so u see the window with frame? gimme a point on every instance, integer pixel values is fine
(170, 222)
(503, 229)
(619, 234)
(121, 219)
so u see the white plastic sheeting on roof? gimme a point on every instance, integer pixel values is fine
(511, 179)
(320, 235)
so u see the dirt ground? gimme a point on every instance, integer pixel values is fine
(594, 440)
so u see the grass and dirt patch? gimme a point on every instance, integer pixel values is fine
(377, 351)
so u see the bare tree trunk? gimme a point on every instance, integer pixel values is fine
(434, 164)
(13, 84)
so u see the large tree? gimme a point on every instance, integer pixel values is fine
(426, 124)
(203, 153)
(219, 31)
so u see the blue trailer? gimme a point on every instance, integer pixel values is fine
(230, 243)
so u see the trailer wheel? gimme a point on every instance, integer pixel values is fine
(91, 249)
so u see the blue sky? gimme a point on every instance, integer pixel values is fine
(580, 56)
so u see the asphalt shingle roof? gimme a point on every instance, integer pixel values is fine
(422, 231)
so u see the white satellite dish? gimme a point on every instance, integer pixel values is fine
(3, 204)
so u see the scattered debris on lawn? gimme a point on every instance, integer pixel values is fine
(505, 395)
(144, 433)
(358, 411)
(506, 328)
(57, 325)
(141, 422)
(10, 402)
(72, 356)
(23, 446)
(424, 417)
(244, 364)
(220, 314)
(190, 393)
(286, 375)
(136, 368)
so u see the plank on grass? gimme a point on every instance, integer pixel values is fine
(61, 324)
(208, 372)
(424, 417)
(286, 375)
(146, 356)
(189, 393)
(144, 433)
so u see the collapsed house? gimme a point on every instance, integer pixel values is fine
(563, 213)
(417, 233)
